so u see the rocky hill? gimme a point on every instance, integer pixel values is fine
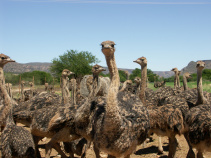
(28, 67)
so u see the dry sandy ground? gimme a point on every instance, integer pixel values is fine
(149, 151)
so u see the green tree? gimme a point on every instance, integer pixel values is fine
(11, 78)
(39, 77)
(78, 62)
(122, 76)
(206, 74)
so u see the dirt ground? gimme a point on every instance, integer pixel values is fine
(149, 151)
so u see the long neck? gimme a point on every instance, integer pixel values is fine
(178, 81)
(65, 90)
(124, 86)
(94, 89)
(185, 85)
(175, 80)
(112, 116)
(7, 102)
(2, 76)
(143, 84)
(200, 99)
(73, 92)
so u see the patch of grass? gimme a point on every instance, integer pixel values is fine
(206, 85)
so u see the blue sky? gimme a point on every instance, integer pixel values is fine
(169, 33)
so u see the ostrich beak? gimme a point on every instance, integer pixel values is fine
(10, 60)
(135, 61)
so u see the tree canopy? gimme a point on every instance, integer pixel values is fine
(78, 62)
(39, 77)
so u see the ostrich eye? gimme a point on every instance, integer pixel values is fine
(102, 45)
(112, 45)
(3, 58)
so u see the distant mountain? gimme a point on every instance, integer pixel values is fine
(21, 68)
(191, 67)
(28, 67)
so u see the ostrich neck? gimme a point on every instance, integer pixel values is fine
(185, 85)
(112, 116)
(73, 93)
(175, 80)
(6, 98)
(2, 76)
(200, 99)
(94, 89)
(143, 84)
(178, 81)
(65, 91)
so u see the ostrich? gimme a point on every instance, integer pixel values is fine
(65, 85)
(37, 112)
(198, 119)
(16, 141)
(9, 89)
(167, 119)
(113, 124)
(66, 113)
(158, 84)
(123, 121)
(22, 90)
(86, 85)
(176, 78)
(186, 75)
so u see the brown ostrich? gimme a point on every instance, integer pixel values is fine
(116, 123)
(176, 78)
(65, 86)
(9, 89)
(158, 84)
(186, 75)
(198, 119)
(115, 132)
(37, 113)
(66, 114)
(15, 141)
(167, 118)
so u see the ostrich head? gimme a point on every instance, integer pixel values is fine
(4, 59)
(66, 73)
(137, 80)
(200, 65)
(141, 61)
(187, 75)
(175, 69)
(108, 48)
(96, 69)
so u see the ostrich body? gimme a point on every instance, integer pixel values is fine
(16, 141)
